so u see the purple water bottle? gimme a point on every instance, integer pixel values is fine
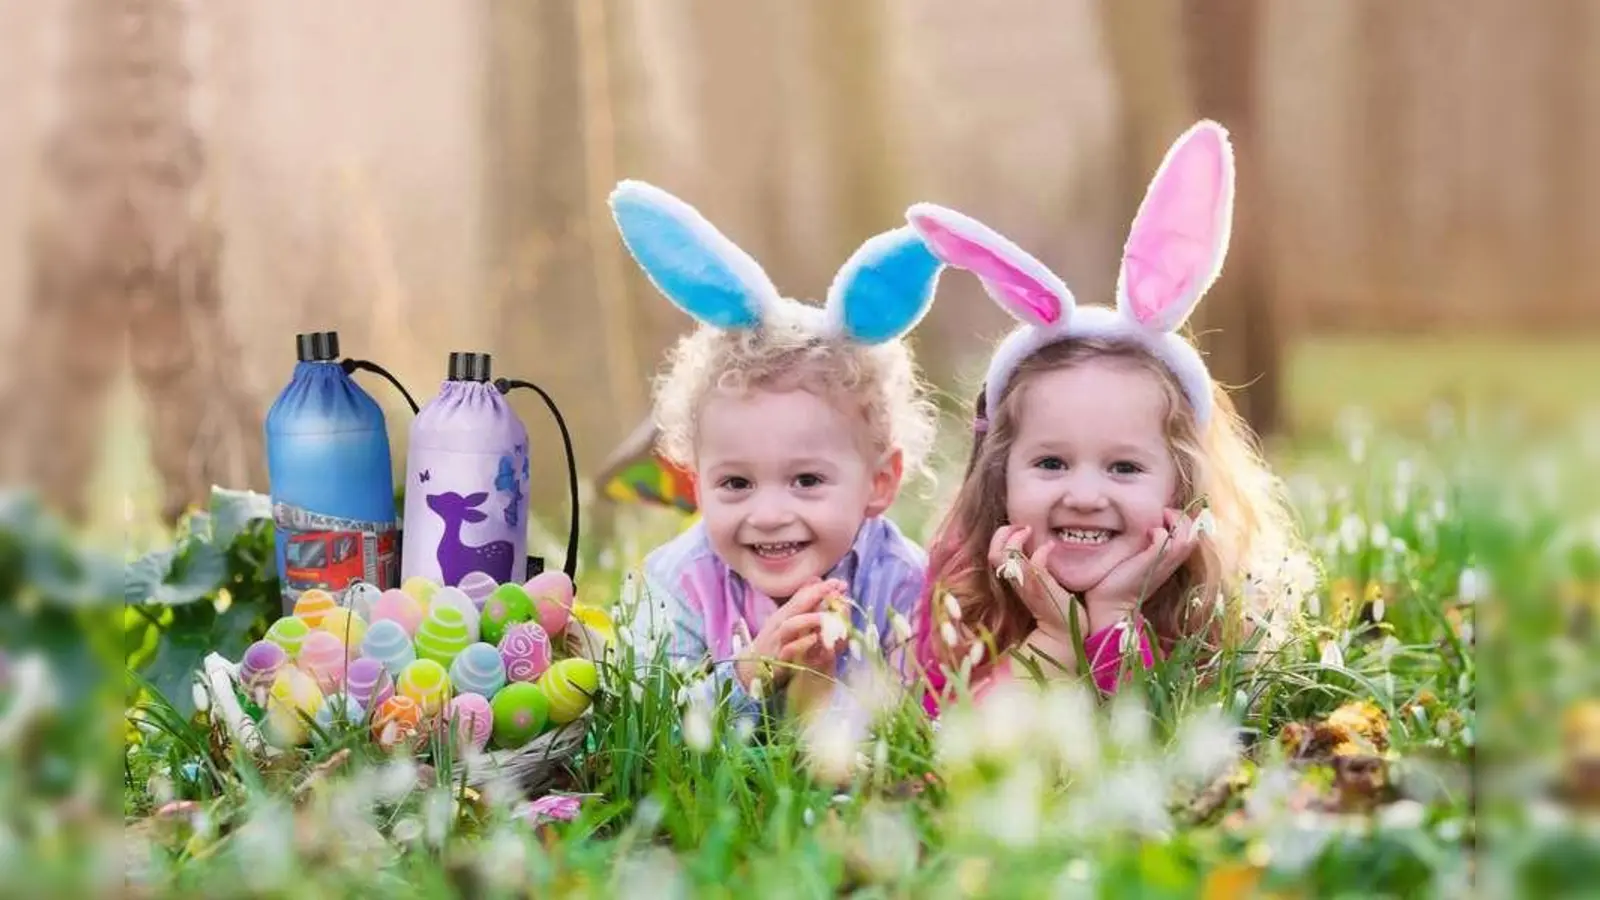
(466, 495)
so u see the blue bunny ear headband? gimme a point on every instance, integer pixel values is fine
(879, 294)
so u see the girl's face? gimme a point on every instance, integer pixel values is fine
(1090, 468)
(784, 485)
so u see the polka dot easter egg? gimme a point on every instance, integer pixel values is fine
(442, 635)
(520, 713)
(313, 605)
(473, 720)
(426, 682)
(360, 598)
(388, 643)
(260, 665)
(324, 658)
(348, 627)
(525, 651)
(289, 633)
(340, 711)
(400, 607)
(508, 605)
(569, 685)
(421, 589)
(478, 670)
(478, 586)
(397, 720)
(552, 594)
(368, 683)
(453, 597)
(294, 696)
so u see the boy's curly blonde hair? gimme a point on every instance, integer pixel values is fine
(879, 383)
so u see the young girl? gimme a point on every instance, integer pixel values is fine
(798, 423)
(1110, 479)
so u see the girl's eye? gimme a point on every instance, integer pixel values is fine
(1051, 463)
(808, 480)
(1126, 467)
(735, 483)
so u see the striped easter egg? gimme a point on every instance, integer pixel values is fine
(323, 657)
(313, 605)
(478, 586)
(368, 682)
(388, 643)
(347, 626)
(442, 635)
(289, 633)
(426, 682)
(400, 607)
(525, 650)
(478, 670)
(260, 665)
(454, 597)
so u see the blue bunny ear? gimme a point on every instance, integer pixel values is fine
(885, 288)
(687, 259)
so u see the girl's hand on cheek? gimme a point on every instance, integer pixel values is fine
(1127, 586)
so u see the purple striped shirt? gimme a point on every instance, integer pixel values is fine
(705, 604)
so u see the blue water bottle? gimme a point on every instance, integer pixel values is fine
(331, 483)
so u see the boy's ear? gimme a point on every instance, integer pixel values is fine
(886, 483)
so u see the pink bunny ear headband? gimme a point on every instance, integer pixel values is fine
(1173, 254)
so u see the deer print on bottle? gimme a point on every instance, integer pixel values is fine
(456, 559)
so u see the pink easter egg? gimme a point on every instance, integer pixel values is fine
(552, 594)
(473, 720)
(323, 657)
(368, 683)
(478, 586)
(525, 649)
(400, 607)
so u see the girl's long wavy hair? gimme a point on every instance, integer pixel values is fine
(1220, 464)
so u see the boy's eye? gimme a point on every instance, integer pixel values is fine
(735, 483)
(1050, 463)
(808, 480)
(1126, 467)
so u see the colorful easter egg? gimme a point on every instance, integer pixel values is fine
(398, 606)
(442, 635)
(478, 586)
(388, 643)
(472, 719)
(313, 605)
(426, 682)
(340, 709)
(324, 657)
(520, 713)
(289, 633)
(569, 685)
(525, 650)
(360, 598)
(396, 721)
(552, 600)
(454, 597)
(508, 605)
(294, 694)
(368, 682)
(420, 588)
(260, 665)
(347, 626)
(478, 670)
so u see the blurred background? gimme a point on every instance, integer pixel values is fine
(184, 186)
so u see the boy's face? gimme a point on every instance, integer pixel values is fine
(784, 485)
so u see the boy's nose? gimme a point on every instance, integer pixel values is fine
(770, 513)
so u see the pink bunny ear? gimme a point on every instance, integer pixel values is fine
(1180, 236)
(1019, 283)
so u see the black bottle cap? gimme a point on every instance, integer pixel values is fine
(317, 346)
(469, 367)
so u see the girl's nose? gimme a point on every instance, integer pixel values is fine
(1084, 490)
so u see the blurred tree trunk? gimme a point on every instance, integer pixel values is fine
(1239, 319)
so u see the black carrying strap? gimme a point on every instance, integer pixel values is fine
(505, 386)
(351, 365)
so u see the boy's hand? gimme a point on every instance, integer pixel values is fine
(792, 637)
(1049, 602)
(1127, 586)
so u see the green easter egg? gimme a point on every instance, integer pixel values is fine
(289, 633)
(508, 605)
(569, 685)
(442, 635)
(520, 713)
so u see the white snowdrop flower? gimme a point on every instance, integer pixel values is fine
(697, 728)
(1010, 569)
(808, 817)
(1441, 512)
(948, 633)
(744, 729)
(1208, 742)
(1474, 585)
(1378, 535)
(831, 743)
(873, 636)
(202, 697)
(396, 780)
(1314, 604)
(856, 651)
(1351, 532)
(952, 607)
(900, 627)
(1206, 522)
(758, 689)
(974, 656)
(625, 635)
(1388, 649)
(1332, 655)
(438, 811)
(1066, 724)
(1016, 814)
(1378, 607)
(264, 846)
(834, 629)
(1006, 719)
(1129, 728)
(503, 859)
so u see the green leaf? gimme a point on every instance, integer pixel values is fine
(233, 511)
(179, 656)
(173, 578)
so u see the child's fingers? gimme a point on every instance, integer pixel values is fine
(1007, 538)
(795, 626)
(796, 651)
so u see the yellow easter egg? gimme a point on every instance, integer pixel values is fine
(569, 685)
(293, 695)
(347, 626)
(421, 589)
(427, 683)
(313, 605)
